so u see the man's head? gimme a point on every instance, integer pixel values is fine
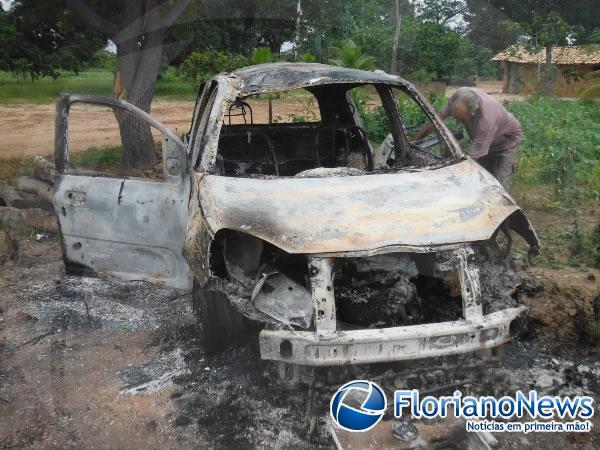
(464, 104)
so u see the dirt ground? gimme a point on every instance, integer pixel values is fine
(92, 126)
(99, 128)
(28, 130)
(106, 364)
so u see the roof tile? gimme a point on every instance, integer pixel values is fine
(565, 55)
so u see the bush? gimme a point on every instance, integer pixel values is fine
(561, 146)
(309, 58)
(104, 60)
(591, 93)
(200, 66)
(262, 55)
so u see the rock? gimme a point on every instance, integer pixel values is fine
(43, 170)
(33, 186)
(9, 248)
(10, 196)
(35, 218)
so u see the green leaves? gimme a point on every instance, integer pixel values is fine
(200, 66)
(348, 54)
(262, 55)
(561, 146)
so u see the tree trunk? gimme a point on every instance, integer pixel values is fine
(139, 39)
(297, 33)
(395, 68)
(138, 62)
(549, 75)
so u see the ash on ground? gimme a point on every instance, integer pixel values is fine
(88, 362)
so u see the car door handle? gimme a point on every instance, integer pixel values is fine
(75, 197)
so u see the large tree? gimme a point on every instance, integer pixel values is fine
(442, 12)
(138, 29)
(488, 26)
(40, 37)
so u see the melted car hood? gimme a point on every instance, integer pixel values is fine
(430, 207)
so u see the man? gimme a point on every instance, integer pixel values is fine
(495, 133)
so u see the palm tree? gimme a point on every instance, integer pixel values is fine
(350, 55)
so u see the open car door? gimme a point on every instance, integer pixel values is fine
(114, 224)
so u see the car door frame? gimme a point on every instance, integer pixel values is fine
(133, 242)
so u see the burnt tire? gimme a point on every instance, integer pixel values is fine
(220, 324)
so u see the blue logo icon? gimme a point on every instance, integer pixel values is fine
(353, 417)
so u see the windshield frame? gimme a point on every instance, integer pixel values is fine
(229, 90)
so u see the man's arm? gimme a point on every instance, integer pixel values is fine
(482, 142)
(428, 127)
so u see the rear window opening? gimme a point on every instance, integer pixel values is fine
(327, 130)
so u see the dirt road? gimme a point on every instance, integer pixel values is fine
(29, 129)
(92, 363)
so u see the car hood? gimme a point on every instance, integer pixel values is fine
(430, 207)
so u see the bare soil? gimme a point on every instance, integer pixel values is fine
(96, 363)
(28, 129)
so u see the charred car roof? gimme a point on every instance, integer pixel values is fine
(282, 76)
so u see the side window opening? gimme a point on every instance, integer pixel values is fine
(418, 151)
(414, 118)
(95, 143)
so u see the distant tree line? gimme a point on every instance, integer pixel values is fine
(422, 40)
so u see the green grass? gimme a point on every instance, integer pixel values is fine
(560, 150)
(11, 168)
(91, 82)
(106, 158)
(559, 177)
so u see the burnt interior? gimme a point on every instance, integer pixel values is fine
(288, 149)
(370, 292)
(395, 289)
(232, 250)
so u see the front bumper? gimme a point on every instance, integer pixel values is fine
(388, 344)
(329, 346)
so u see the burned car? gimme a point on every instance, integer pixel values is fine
(343, 253)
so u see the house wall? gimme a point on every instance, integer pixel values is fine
(522, 79)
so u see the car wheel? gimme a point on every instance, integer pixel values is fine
(220, 323)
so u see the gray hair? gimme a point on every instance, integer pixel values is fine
(468, 97)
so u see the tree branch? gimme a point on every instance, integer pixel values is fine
(453, 14)
(100, 24)
(174, 13)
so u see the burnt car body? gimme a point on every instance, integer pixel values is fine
(340, 262)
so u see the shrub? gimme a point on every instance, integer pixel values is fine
(200, 66)
(591, 93)
(309, 58)
(262, 55)
(561, 146)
